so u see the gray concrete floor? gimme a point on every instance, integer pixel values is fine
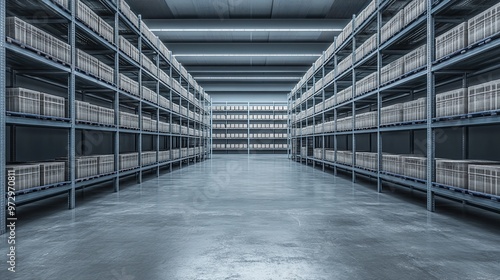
(257, 217)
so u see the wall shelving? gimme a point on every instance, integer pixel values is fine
(249, 127)
(100, 93)
(402, 88)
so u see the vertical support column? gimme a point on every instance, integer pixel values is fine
(116, 181)
(170, 113)
(465, 129)
(248, 124)
(379, 101)
(72, 109)
(3, 201)
(335, 117)
(158, 114)
(430, 107)
(139, 141)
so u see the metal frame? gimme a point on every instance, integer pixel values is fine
(72, 125)
(424, 78)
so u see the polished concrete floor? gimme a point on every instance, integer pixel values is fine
(256, 217)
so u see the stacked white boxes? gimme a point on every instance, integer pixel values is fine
(392, 114)
(366, 120)
(38, 39)
(176, 154)
(148, 34)
(484, 25)
(346, 32)
(129, 49)
(149, 65)
(128, 120)
(344, 157)
(129, 161)
(484, 97)
(344, 124)
(94, 113)
(87, 16)
(149, 95)
(52, 173)
(303, 151)
(176, 128)
(86, 167)
(82, 110)
(87, 63)
(415, 110)
(106, 116)
(62, 3)
(484, 179)
(164, 77)
(455, 173)
(392, 71)
(23, 100)
(318, 153)
(129, 85)
(27, 176)
(106, 73)
(148, 158)
(344, 95)
(366, 48)
(392, 163)
(52, 105)
(367, 160)
(163, 127)
(105, 164)
(163, 156)
(415, 59)
(106, 30)
(345, 64)
(392, 27)
(148, 124)
(365, 13)
(330, 155)
(184, 152)
(451, 41)
(451, 103)
(413, 10)
(366, 84)
(415, 167)
(329, 77)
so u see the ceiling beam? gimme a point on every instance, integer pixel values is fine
(246, 48)
(247, 69)
(255, 87)
(245, 25)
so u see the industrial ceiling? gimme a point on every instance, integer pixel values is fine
(247, 46)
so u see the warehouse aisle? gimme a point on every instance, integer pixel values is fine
(256, 217)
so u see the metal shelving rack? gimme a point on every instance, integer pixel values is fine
(245, 127)
(20, 60)
(309, 110)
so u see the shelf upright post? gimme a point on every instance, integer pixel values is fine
(465, 129)
(158, 113)
(335, 117)
(72, 108)
(323, 114)
(116, 180)
(248, 127)
(353, 110)
(430, 107)
(139, 141)
(3, 200)
(313, 100)
(171, 114)
(379, 101)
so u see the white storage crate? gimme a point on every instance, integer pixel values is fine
(38, 39)
(485, 179)
(124, 45)
(344, 95)
(52, 173)
(392, 27)
(365, 13)
(148, 158)
(106, 31)
(451, 103)
(129, 85)
(344, 124)
(163, 156)
(415, 110)
(129, 161)
(415, 167)
(344, 157)
(51, 105)
(366, 84)
(392, 163)
(392, 114)
(23, 100)
(164, 77)
(85, 167)
(413, 10)
(484, 97)
(94, 113)
(125, 9)
(345, 64)
(454, 173)
(149, 95)
(367, 160)
(106, 116)
(366, 120)
(27, 176)
(164, 127)
(105, 164)
(106, 73)
(128, 120)
(451, 41)
(484, 25)
(344, 35)
(62, 3)
(366, 48)
(82, 110)
(392, 71)
(318, 153)
(87, 16)
(87, 63)
(415, 59)
(329, 155)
